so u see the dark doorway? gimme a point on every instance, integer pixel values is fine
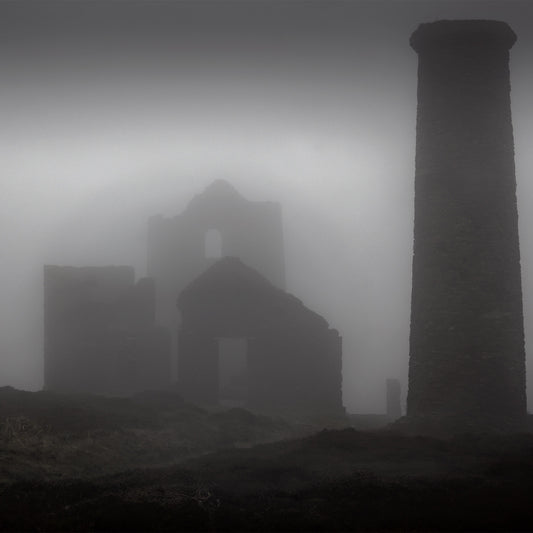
(233, 371)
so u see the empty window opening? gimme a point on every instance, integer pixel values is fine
(233, 372)
(213, 244)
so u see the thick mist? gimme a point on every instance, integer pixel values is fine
(117, 111)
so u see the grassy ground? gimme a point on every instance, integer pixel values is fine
(47, 436)
(154, 463)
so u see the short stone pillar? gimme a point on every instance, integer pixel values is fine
(467, 339)
(394, 395)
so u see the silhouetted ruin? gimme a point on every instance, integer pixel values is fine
(99, 332)
(467, 340)
(292, 359)
(219, 222)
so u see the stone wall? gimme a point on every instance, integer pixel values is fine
(294, 358)
(100, 333)
(249, 230)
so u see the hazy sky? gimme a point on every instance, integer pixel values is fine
(115, 111)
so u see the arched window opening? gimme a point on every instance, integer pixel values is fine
(213, 244)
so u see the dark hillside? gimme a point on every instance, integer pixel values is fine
(155, 463)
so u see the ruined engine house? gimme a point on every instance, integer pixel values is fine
(218, 222)
(292, 359)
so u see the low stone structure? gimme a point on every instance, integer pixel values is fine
(394, 398)
(293, 359)
(99, 332)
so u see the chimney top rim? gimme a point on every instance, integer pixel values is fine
(462, 34)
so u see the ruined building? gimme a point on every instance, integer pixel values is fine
(467, 340)
(239, 338)
(284, 357)
(99, 332)
(219, 222)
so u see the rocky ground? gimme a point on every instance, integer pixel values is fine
(73, 463)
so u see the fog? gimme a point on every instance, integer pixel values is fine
(116, 111)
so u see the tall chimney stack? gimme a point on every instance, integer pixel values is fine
(467, 354)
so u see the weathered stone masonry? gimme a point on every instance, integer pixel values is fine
(249, 230)
(294, 359)
(467, 340)
(99, 332)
